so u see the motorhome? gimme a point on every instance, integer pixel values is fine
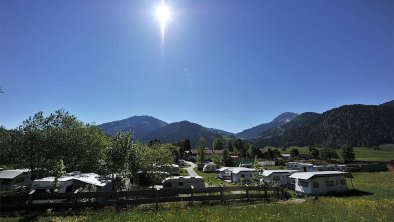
(11, 180)
(279, 177)
(241, 174)
(71, 182)
(301, 167)
(183, 182)
(210, 167)
(320, 183)
(225, 173)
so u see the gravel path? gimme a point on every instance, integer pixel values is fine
(190, 169)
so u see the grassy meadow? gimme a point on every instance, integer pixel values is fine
(361, 153)
(375, 205)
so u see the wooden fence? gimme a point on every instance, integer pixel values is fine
(40, 201)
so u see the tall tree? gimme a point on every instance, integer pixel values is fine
(218, 144)
(187, 146)
(153, 158)
(347, 153)
(201, 150)
(328, 154)
(294, 153)
(251, 152)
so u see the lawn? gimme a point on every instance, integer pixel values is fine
(377, 206)
(361, 153)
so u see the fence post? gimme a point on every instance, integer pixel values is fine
(117, 197)
(265, 193)
(247, 192)
(192, 193)
(277, 192)
(30, 203)
(221, 193)
(74, 199)
(157, 200)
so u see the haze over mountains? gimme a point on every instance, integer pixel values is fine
(359, 125)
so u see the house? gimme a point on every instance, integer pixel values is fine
(241, 173)
(277, 176)
(12, 179)
(183, 182)
(302, 167)
(71, 182)
(320, 183)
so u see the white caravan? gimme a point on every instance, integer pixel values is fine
(183, 182)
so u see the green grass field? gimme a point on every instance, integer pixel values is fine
(361, 153)
(374, 207)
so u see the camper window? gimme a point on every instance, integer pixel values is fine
(19, 180)
(276, 178)
(242, 175)
(303, 183)
(315, 184)
(180, 184)
(329, 183)
(6, 181)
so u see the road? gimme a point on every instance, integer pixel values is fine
(190, 169)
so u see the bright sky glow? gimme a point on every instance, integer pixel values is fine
(226, 64)
(163, 14)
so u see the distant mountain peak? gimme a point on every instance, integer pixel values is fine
(275, 123)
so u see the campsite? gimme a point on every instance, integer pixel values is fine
(217, 111)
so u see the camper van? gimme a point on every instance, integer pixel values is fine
(14, 179)
(183, 182)
(210, 167)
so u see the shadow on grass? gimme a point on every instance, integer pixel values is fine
(351, 193)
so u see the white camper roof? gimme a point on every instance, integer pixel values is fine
(11, 174)
(269, 172)
(309, 175)
(237, 170)
(90, 178)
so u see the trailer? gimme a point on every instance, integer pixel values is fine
(183, 182)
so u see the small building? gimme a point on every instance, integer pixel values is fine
(12, 179)
(241, 174)
(183, 182)
(281, 177)
(320, 183)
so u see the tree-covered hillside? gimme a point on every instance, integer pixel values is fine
(181, 131)
(356, 125)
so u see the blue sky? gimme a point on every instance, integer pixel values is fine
(225, 64)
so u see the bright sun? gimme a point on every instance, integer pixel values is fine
(163, 14)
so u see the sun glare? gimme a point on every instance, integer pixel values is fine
(163, 14)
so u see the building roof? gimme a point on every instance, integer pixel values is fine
(225, 168)
(237, 170)
(269, 172)
(299, 163)
(309, 175)
(11, 174)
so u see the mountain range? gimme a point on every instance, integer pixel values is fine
(358, 125)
